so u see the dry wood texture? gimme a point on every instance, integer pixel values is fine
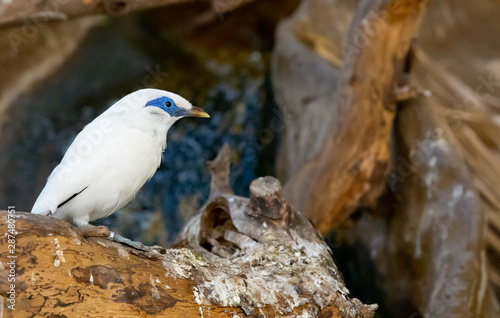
(257, 257)
(404, 232)
(34, 13)
(349, 170)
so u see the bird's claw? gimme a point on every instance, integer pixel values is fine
(148, 250)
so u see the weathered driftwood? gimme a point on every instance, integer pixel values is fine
(471, 121)
(349, 170)
(451, 205)
(425, 236)
(34, 13)
(257, 256)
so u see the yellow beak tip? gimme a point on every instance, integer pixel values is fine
(198, 112)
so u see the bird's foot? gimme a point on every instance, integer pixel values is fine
(148, 250)
(89, 230)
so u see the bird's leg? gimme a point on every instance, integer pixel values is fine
(88, 230)
(137, 245)
(120, 239)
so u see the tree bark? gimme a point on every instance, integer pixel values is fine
(257, 257)
(40, 12)
(349, 171)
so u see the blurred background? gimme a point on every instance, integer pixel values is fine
(221, 65)
(266, 72)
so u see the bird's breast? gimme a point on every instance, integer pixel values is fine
(137, 155)
(134, 160)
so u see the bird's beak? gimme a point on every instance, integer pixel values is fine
(198, 112)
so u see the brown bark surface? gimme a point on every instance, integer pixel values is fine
(61, 272)
(34, 13)
(349, 170)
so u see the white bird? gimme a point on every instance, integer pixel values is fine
(112, 157)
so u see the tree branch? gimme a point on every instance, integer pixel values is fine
(350, 169)
(39, 12)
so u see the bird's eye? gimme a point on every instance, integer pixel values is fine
(168, 104)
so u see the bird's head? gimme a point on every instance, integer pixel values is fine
(155, 106)
(163, 103)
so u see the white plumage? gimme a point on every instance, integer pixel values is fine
(112, 157)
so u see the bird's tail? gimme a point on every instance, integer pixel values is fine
(37, 209)
(41, 207)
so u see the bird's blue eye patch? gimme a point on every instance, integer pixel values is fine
(169, 106)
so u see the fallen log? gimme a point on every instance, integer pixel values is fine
(254, 256)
